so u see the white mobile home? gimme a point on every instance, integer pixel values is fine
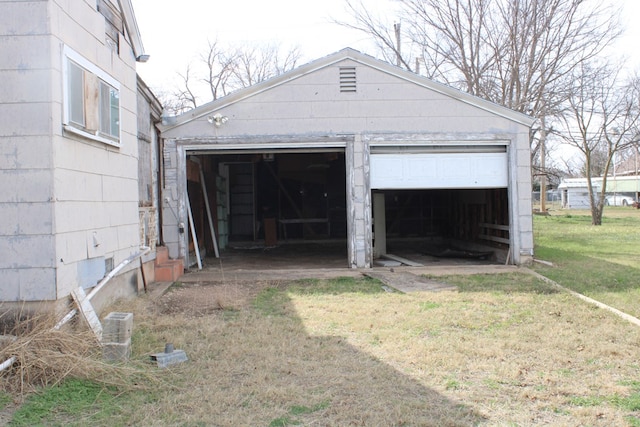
(575, 194)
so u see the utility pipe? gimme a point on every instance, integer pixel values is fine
(145, 250)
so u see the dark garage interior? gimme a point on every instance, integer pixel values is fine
(291, 206)
(448, 223)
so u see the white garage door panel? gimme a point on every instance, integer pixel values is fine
(438, 170)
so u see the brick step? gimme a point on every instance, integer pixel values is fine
(162, 254)
(169, 271)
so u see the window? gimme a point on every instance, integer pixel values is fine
(92, 100)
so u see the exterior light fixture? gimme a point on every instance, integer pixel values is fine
(217, 119)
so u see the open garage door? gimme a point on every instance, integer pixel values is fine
(284, 206)
(439, 170)
(434, 202)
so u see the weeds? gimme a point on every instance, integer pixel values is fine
(503, 350)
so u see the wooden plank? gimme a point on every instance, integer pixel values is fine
(87, 312)
(289, 198)
(304, 221)
(91, 102)
(494, 238)
(193, 233)
(209, 217)
(270, 234)
(402, 260)
(495, 226)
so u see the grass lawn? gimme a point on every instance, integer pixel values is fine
(601, 262)
(502, 350)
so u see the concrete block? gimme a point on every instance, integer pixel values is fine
(26, 52)
(71, 247)
(75, 185)
(114, 351)
(35, 218)
(169, 357)
(10, 289)
(24, 18)
(25, 185)
(25, 86)
(117, 328)
(10, 224)
(27, 251)
(38, 284)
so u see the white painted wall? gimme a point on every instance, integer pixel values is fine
(58, 190)
(313, 104)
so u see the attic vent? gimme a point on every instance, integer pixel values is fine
(348, 79)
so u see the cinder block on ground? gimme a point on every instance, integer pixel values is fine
(116, 352)
(117, 327)
(166, 359)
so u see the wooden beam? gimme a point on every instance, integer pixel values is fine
(289, 198)
(402, 260)
(495, 226)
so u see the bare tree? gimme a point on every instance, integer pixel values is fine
(516, 53)
(385, 39)
(512, 52)
(220, 65)
(254, 64)
(220, 70)
(601, 119)
(182, 98)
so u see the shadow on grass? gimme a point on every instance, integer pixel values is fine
(263, 367)
(345, 385)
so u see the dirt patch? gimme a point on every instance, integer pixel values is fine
(204, 298)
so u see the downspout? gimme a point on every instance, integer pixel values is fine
(160, 184)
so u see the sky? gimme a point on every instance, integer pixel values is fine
(175, 33)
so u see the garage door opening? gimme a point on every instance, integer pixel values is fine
(287, 207)
(470, 225)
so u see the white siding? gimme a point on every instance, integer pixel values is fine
(57, 188)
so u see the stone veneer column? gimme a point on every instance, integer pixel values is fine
(170, 203)
(358, 204)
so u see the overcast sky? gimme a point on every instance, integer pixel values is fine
(175, 32)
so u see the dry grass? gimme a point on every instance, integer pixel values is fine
(502, 350)
(484, 355)
(45, 356)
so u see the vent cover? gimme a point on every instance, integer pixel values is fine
(347, 79)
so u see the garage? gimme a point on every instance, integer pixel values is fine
(442, 201)
(354, 155)
(271, 196)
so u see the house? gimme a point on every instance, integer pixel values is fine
(77, 172)
(348, 147)
(575, 193)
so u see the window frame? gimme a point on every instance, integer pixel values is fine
(103, 79)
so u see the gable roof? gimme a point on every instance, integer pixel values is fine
(354, 55)
(131, 25)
